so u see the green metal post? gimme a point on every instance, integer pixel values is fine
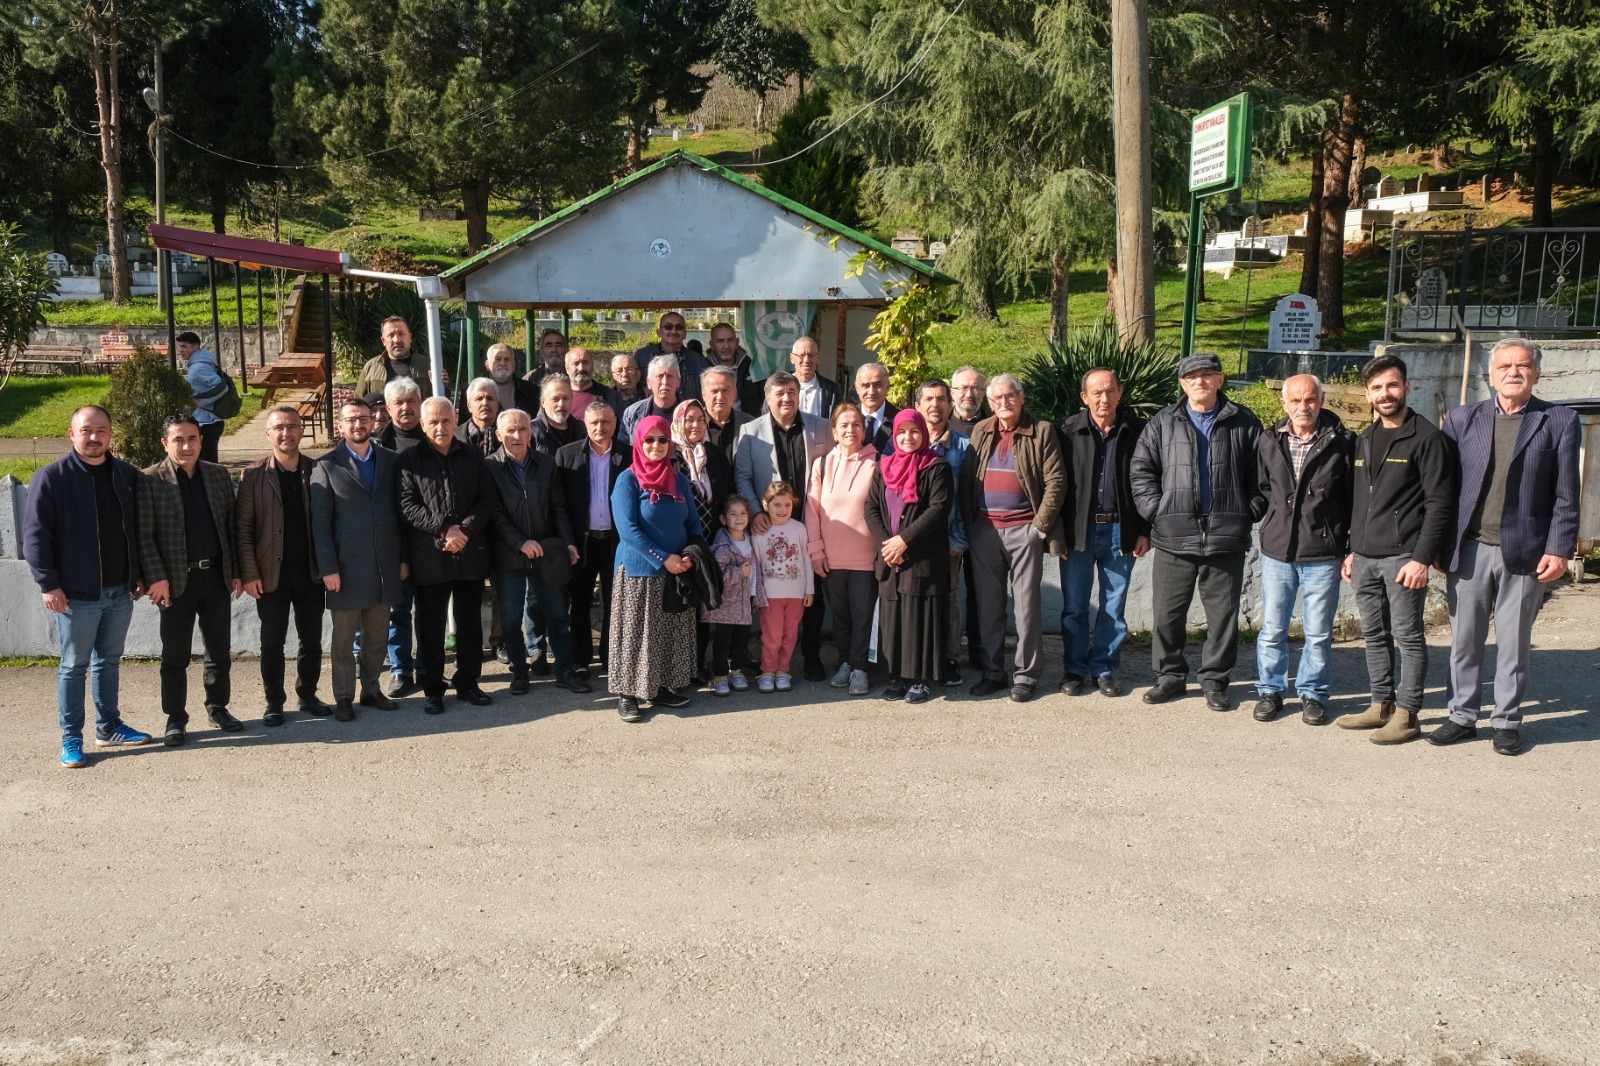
(530, 346)
(472, 344)
(1197, 263)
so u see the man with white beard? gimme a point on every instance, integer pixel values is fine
(501, 363)
(585, 389)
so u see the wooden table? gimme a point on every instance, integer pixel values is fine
(292, 370)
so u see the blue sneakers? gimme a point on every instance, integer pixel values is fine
(119, 735)
(72, 753)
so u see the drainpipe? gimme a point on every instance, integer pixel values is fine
(431, 290)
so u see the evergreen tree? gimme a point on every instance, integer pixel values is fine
(825, 178)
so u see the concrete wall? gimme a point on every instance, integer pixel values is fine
(1570, 371)
(89, 337)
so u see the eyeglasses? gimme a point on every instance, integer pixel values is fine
(670, 328)
(359, 420)
(1005, 397)
(656, 440)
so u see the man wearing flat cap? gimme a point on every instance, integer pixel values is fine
(1195, 481)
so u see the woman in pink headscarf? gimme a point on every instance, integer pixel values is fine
(652, 508)
(908, 511)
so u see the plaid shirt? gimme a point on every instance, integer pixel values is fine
(1299, 450)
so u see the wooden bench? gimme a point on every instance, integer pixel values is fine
(50, 360)
(292, 370)
(309, 402)
(115, 354)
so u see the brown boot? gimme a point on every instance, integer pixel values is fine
(1401, 727)
(1371, 718)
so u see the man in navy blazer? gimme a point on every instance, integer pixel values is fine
(1516, 527)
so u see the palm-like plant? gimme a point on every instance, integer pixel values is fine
(1053, 380)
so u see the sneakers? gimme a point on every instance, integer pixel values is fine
(918, 693)
(719, 686)
(176, 734)
(951, 678)
(764, 684)
(897, 689)
(670, 697)
(118, 735)
(841, 676)
(858, 683)
(785, 682)
(628, 709)
(572, 682)
(72, 753)
(737, 681)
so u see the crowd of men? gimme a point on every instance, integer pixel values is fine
(426, 502)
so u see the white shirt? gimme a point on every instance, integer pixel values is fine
(811, 397)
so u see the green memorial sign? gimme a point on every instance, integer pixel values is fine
(1219, 161)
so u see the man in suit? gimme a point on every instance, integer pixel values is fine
(719, 386)
(186, 551)
(674, 332)
(589, 469)
(872, 389)
(1516, 527)
(355, 524)
(781, 445)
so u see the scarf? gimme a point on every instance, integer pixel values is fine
(657, 477)
(900, 469)
(693, 455)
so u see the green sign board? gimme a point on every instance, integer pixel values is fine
(1219, 147)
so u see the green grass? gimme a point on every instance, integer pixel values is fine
(248, 409)
(24, 469)
(42, 407)
(727, 147)
(193, 310)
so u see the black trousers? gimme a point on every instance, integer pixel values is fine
(730, 648)
(851, 596)
(210, 436)
(206, 600)
(464, 601)
(812, 623)
(304, 598)
(1220, 578)
(596, 562)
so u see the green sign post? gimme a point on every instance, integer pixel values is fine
(1219, 161)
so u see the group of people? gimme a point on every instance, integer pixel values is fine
(689, 502)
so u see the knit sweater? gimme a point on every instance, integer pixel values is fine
(836, 518)
(647, 533)
(785, 561)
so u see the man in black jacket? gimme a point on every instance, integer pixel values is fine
(447, 501)
(531, 518)
(1304, 468)
(1105, 532)
(589, 471)
(1400, 523)
(1194, 481)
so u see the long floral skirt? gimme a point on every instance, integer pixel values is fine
(650, 649)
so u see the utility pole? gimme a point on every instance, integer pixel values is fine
(1130, 106)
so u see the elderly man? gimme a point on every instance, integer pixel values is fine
(1516, 527)
(531, 524)
(585, 389)
(380, 412)
(355, 523)
(967, 388)
(482, 408)
(394, 362)
(818, 395)
(1304, 467)
(932, 400)
(187, 556)
(1195, 481)
(872, 389)
(589, 471)
(781, 445)
(1106, 533)
(661, 398)
(403, 401)
(674, 331)
(277, 566)
(447, 501)
(511, 391)
(555, 426)
(210, 387)
(552, 356)
(1012, 491)
(719, 389)
(726, 352)
(626, 382)
(88, 575)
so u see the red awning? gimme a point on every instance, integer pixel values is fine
(247, 252)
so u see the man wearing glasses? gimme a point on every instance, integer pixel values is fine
(674, 331)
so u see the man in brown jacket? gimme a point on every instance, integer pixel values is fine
(1013, 490)
(277, 565)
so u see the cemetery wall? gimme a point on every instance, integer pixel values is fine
(1571, 371)
(89, 337)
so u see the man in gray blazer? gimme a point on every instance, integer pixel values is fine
(1516, 527)
(781, 445)
(355, 522)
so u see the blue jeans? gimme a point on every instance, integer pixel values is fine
(400, 660)
(1319, 582)
(92, 633)
(521, 595)
(1104, 556)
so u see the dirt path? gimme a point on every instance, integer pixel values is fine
(842, 881)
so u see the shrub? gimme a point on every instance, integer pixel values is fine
(26, 286)
(145, 392)
(1054, 380)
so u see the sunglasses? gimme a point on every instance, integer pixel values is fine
(656, 440)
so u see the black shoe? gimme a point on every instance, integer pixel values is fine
(1267, 707)
(897, 689)
(572, 683)
(379, 701)
(952, 674)
(1451, 732)
(987, 686)
(433, 705)
(1072, 685)
(1109, 685)
(315, 708)
(1217, 700)
(223, 720)
(344, 711)
(273, 716)
(1313, 712)
(668, 697)
(520, 682)
(475, 696)
(628, 709)
(1508, 741)
(918, 694)
(502, 656)
(541, 667)
(1021, 692)
(581, 673)
(400, 685)
(814, 670)
(175, 734)
(1164, 691)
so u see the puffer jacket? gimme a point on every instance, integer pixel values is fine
(1307, 521)
(531, 508)
(437, 492)
(1166, 482)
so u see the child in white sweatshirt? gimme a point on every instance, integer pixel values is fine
(786, 573)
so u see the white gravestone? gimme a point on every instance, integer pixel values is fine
(57, 264)
(1251, 228)
(1294, 325)
(1432, 286)
(1389, 187)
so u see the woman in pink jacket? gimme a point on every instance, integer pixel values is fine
(842, 550)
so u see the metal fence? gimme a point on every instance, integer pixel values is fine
(1529, 281)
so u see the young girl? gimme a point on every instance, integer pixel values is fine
(742, 586)
(786, 574)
